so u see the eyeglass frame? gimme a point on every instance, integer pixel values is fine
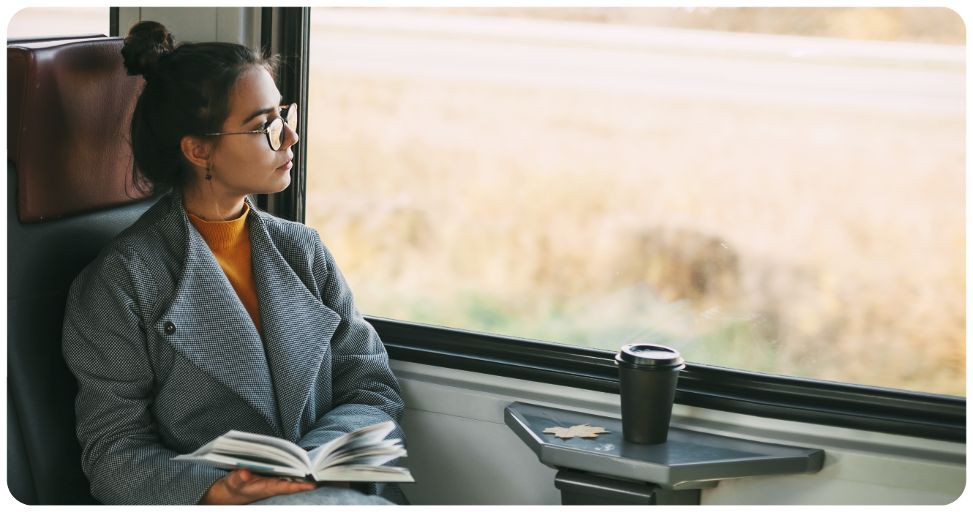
(284, 119)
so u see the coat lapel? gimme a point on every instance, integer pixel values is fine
(297, 326)
(212, 329)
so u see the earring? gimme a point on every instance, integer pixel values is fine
(208, 175)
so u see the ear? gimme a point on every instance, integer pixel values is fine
(196, 150)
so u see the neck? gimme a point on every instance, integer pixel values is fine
(209, 206)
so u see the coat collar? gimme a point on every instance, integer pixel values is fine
(297, 326)
(273, 374)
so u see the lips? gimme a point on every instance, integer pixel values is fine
(287, 166)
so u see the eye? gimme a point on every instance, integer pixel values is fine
(270, 120)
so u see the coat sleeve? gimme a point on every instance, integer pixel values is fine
(105, 347)
(365, 390)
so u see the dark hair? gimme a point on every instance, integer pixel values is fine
(187, 92)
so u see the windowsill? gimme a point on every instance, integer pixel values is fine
(892, 411)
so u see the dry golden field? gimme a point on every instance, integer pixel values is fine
(804, 240)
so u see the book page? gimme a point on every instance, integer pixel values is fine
(364, 436)
(390, 447)
(356, 473)
(376, 458)
(284, 451)
(225, 462)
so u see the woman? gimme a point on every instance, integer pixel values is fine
(208, 315)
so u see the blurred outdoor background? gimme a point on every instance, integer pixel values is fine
(57, 21)
(774, 189)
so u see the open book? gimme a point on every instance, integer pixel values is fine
(354, 457)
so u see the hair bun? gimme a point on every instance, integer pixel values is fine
(146, 42)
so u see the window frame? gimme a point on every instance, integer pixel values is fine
(285, 31)
(862, 407)
(113, 22)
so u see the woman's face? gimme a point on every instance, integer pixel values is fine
(245, 164)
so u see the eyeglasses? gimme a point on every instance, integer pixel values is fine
(274, 129)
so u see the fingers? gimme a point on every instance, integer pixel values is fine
(242, 486)
(246, 483)
(236, 478)
(294, 487)
(239, 478)
(267, 487)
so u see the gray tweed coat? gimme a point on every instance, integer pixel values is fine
(167, 358)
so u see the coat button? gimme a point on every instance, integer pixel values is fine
(170, 327)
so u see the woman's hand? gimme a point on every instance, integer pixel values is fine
(242, 486)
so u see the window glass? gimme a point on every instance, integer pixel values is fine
(772, 189)
(34, 22)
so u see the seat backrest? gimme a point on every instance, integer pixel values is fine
(69, 193)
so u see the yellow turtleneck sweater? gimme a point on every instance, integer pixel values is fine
(230, 242)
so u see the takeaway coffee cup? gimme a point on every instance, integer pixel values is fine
(647, 375)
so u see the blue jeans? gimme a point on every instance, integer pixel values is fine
(325, 495)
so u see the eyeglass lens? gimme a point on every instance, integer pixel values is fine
(275, 133)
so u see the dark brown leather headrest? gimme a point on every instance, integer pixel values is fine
(69, 107)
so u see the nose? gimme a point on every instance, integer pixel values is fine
(290, 137)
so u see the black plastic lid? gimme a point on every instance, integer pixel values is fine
(648, 356)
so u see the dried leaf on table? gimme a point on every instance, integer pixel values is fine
(585, 431)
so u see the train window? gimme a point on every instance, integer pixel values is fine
(37, 22)
(779, 190)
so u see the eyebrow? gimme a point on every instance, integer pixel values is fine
(262, 112)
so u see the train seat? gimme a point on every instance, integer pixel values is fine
(69, 192)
